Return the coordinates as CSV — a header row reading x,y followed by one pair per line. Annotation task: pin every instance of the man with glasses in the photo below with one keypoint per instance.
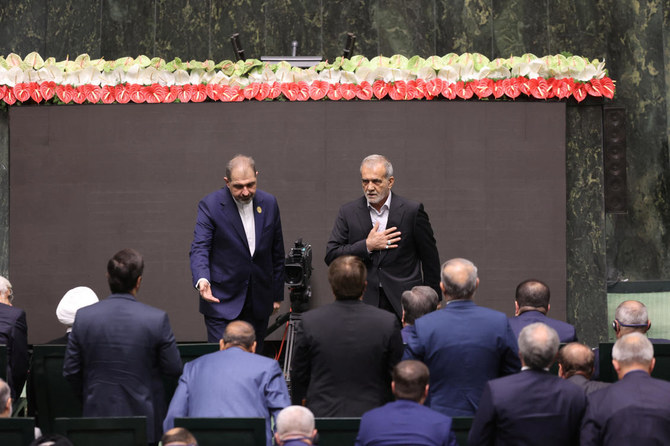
x,y
13,334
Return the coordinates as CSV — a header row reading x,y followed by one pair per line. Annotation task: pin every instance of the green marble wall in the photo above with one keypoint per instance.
x,y
633,36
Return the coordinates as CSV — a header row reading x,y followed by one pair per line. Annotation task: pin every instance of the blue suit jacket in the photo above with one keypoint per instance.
x,y
529,408
566,332
220,254
634,410
464,346
405,422
229,383
116,355
14,334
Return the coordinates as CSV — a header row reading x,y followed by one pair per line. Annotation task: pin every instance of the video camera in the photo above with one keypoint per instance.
x,y
298,269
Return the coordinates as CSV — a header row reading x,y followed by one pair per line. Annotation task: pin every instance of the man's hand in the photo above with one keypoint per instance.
x,y
275,306
386,239
206,292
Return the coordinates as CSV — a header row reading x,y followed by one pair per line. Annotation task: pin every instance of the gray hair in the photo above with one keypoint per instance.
x,y
538,345
379,159
633,348
632,312
295,421
459,278
240,160
4,394
418,301
4,285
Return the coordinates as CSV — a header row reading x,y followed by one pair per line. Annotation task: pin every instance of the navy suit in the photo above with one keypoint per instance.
x,y
414,262
116,354
405,422
566,332
632,411
231,383
528,408
220,254
14,334
464,346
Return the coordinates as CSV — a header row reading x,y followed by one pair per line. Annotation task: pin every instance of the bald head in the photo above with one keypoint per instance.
x,y
294,422
576,359
178,436
239,334
459,279
538,345
631,316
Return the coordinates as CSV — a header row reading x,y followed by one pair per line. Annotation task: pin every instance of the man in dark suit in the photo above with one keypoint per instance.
x,y
295,427
463,345
532,305
391,234
233,382
237,254
634,410
416,302
345,350
406,421
14,334
119,349
576,364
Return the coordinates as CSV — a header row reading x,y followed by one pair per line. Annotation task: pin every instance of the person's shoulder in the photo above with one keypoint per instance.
x,y
408,202
354,204
261,194
11,311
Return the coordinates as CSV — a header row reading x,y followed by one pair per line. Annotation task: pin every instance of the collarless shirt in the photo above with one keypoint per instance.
x,y
381,216
246,211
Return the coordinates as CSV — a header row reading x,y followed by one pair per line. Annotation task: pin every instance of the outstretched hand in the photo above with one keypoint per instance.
x,y
379,240
206,292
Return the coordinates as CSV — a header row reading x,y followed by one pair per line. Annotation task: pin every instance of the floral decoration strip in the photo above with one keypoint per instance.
x,y
155,81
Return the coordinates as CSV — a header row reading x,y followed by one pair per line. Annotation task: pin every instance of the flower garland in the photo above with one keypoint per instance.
x,y
452,76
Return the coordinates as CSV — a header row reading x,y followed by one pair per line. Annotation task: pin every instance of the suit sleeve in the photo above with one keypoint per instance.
x,y
168,354
72,362
18,354
202,243
276,392
340,244
179,404
591,430
483,430
396,346
414,349
427,250
278,255
510,362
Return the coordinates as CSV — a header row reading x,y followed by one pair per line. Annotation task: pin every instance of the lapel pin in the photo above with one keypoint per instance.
x,y
258,209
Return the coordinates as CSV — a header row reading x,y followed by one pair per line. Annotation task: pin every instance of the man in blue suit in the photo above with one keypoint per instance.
x,y
119,349
532,305
13,334
233,382
463,345
534,406
406,420
634,410
237,254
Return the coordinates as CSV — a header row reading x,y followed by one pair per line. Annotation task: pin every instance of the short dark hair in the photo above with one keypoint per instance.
x,y
418,301
410,378
178,435
576,358
124,269
533,293
239,333
347,275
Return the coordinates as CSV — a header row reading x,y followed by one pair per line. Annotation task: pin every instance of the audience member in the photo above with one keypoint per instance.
x,y
345,350
634,410
463,345
72,301
5,400
406,421
532,305
178,436
233,382
534,406
51,440
415,303
576,364
14,334
119,349
295,426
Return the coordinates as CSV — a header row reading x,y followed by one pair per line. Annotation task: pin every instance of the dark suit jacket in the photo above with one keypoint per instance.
x,y
343,358
528,408
405,422
633,411
566,332
220,254
116,353
464,346
231,383
588,385
397,269
14,334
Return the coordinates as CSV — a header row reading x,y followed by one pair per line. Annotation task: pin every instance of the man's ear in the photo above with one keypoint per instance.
x,y
221,344
277,440
253,347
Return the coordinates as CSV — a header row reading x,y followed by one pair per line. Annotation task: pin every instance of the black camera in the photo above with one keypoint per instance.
x,y
298,269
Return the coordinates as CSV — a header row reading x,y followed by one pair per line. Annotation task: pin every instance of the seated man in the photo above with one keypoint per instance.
x,y
14,334
5,400
576,364
534,406
72,301
178,436
406,421
532,305
634,410
295,426
415,303
233,382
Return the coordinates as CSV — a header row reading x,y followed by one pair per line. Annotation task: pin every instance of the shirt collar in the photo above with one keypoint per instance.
x,y
386,204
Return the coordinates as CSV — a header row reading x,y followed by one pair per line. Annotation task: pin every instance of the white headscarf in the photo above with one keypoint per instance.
x,y
73,300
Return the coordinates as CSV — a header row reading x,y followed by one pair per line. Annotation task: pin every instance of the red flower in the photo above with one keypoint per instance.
x,y
464,90
449,90
107,94
334,92
318,90
413,90
511,87
122,94
539,88
185,93
263,92
173,94
251,90
155,93
380,88
9,98
136,93
434,86
482,88
524,85
214,91
3,91
594,88
79,95
93,93
303,91
238,95
398,90
22,92
498,89
579,92
199,93
290,90
275,90
364,91
607,87
48,90
348,91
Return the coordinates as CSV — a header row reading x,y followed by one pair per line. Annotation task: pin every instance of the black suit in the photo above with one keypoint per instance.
x,y
396,269
343,358
14,334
